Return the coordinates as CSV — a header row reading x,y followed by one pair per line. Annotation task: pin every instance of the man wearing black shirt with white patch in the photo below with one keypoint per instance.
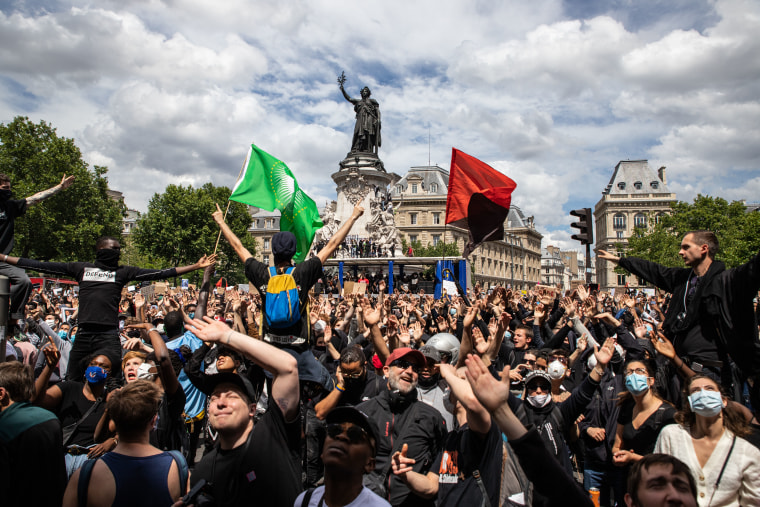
x,y
100,285
10,209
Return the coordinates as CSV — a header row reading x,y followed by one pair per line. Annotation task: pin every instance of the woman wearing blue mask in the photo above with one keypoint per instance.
x,y
643,413
708,439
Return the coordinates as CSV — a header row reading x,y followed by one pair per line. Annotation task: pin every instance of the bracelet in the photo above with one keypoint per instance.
x,y
115,440
6,258
227,338
340,388
153,329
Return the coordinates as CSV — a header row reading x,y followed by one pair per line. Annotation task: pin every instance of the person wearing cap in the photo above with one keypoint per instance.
x,y
432,388
248,467
348,454
405,422
554,420
294,339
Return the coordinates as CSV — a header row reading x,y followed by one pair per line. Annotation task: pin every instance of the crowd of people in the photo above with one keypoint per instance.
x,y
491,397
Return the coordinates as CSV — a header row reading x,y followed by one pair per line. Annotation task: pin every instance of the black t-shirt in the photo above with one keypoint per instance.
x,y
9,211
170,410
305,274
99,289
73,406
642,440
265,471
463,452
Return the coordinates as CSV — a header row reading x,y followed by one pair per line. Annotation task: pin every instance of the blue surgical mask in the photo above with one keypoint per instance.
x,y
453,311
636,384
62,334
191,315
706,403
95,374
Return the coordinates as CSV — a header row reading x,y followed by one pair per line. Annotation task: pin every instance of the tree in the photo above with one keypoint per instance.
x,y
178,229
63,227
738,232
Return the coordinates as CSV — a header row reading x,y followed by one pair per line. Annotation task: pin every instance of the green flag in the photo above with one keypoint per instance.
x,y
267,183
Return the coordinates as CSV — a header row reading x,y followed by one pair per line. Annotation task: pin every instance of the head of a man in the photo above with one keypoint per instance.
x,y
174,324
283,247
351,442
107,243
402,369
5,182
232,405
522,337
696,246
227,360
658,480
353,366
16,383
134,409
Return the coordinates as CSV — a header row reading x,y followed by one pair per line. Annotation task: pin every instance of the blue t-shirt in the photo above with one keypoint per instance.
x,y
195,402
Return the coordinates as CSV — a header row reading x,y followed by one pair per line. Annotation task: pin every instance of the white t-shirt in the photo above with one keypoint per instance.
x,y
366,498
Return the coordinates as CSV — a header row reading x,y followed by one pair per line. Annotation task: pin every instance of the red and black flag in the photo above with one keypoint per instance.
x,y
478,200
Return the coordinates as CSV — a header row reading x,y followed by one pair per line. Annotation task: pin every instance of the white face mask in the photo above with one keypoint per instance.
x,y
160,328
556,370
50,323
539,400
144,372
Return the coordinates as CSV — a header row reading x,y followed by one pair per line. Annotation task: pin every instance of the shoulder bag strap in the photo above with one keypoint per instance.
x,y
85,416
307,497
182,467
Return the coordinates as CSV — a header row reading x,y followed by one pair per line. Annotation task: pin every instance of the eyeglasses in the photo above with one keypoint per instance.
x,y
561,359
404,364
530,361
638,371
356,434
353,375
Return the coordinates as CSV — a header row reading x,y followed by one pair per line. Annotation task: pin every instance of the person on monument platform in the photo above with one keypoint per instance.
x,y
367,129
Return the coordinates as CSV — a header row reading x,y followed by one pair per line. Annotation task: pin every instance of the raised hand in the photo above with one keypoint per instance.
x,y
400,463
491,393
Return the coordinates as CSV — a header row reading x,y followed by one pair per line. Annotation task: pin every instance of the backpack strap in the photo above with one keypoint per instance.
x,y
182,466
307,497
272,271
289,271
85,472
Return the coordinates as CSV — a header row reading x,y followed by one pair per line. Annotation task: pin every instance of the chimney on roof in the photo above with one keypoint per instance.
x,y
661,175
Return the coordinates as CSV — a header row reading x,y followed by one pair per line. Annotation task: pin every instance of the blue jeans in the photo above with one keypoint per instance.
x,y
598,476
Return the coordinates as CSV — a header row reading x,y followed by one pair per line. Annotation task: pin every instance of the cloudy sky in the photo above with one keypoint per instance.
x,y
551,93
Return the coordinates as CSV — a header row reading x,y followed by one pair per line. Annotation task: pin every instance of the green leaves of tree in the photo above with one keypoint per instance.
x,y
63,227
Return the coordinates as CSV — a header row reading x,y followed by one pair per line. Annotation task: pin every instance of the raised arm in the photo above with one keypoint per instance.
x,y
40,196
203,262
339,236
233,240
279,363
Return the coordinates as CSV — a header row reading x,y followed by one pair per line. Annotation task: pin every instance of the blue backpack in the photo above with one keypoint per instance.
x,y
282,305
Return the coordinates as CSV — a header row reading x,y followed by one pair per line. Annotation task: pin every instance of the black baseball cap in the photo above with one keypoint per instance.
x,y
284,245
233,378
355,416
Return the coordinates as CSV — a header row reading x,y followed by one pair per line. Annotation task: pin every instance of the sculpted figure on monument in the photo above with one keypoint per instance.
x,y
367,137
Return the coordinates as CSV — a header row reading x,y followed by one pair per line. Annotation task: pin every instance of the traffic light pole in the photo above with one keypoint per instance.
x,y
588,264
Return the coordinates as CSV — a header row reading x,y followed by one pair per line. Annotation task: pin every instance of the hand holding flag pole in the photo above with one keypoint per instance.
x,y
228,204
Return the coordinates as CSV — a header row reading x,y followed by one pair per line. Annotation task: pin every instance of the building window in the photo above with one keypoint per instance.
x,y
414,188
434,187
640,220
399,189
413,218
655,185
266,243
637,185
266,260
437,239
621,185
619,234
621,279
412,238
267,224
657,218
618,221
436,219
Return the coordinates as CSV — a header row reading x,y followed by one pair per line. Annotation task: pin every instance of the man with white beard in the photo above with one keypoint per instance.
x,y
406,425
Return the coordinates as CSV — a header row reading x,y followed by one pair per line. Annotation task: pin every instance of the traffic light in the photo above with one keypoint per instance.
x,y
586,231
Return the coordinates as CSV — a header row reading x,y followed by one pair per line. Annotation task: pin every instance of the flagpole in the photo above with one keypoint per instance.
x,y
228,204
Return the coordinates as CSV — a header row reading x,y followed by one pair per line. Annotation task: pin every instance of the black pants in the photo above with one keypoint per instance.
x,y
87,342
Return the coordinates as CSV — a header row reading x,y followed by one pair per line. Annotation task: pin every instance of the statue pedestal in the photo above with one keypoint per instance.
x,y
362,179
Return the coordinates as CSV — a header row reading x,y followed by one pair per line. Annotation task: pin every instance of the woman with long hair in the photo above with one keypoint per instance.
x,y
708,439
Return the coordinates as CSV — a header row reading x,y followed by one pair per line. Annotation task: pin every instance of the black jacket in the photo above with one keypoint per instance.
x,y
403,420
722,306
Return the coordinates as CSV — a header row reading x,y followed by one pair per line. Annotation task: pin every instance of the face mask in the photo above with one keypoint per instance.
x,y
50,323
108,258
591,362
95,374
636,384
6,194
144,373
62,333
191,315
160,328
539,400
556,370
453,311
507,335
427,382
73,337
706,403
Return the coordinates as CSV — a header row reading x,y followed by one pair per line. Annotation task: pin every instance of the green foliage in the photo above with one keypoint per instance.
x,y
738,232
440,250
178,229
65,226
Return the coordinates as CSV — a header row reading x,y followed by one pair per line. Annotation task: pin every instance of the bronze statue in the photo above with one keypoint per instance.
x,y
367,129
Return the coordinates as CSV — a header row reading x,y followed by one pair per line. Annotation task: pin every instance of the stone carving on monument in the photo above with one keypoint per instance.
x,y
362,179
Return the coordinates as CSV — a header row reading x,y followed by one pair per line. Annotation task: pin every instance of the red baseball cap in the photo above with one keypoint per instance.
x,y
412,355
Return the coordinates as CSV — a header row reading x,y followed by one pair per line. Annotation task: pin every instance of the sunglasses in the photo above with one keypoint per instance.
x,y
353,375
404,364
356,434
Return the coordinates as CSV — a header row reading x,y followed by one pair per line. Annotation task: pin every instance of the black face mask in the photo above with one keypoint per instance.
x,y
428,382
6,194
106,258
353,383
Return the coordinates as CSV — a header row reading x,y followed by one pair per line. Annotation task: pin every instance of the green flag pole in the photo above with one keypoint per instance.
x,y
228,204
